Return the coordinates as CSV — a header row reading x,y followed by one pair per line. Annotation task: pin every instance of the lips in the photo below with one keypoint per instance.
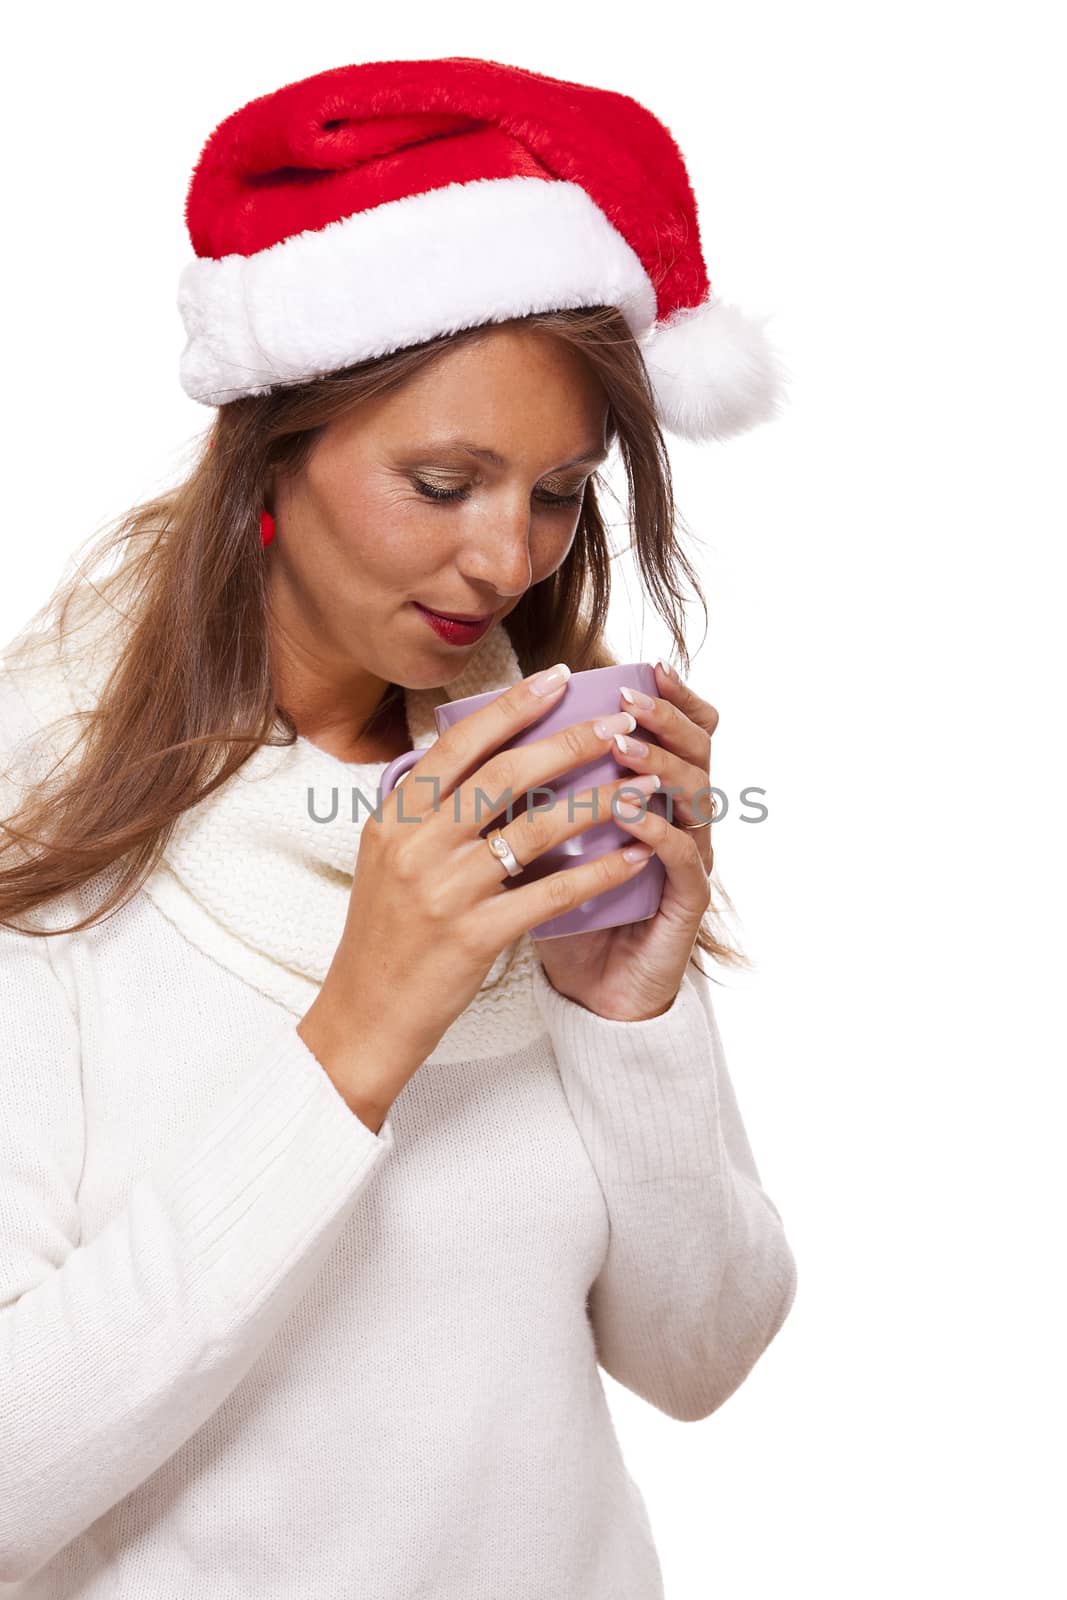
x,y
452,630
455,616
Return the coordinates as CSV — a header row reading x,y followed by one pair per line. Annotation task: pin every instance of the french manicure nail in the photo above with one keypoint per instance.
x,y
634,697
551,679
618,722
631,747
637,852
647,783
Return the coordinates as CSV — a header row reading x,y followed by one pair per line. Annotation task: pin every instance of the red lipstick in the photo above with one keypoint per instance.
x,y
454,630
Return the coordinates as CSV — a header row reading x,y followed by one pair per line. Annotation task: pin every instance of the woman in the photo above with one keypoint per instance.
x,y
323,1189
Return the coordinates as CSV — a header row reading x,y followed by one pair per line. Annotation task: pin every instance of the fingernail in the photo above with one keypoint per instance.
x,y
545,682
634,697
637,852
618,722
666,668
631,747
631,805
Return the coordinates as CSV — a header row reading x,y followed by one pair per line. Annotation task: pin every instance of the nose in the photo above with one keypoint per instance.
x,y
498,558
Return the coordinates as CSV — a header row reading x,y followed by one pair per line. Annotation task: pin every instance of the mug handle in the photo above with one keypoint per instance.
x,y
397,769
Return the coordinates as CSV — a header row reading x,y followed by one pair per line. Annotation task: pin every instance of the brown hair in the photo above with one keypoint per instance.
x,y
190,696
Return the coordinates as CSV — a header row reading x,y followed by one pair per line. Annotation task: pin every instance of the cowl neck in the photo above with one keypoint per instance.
x,y
258,874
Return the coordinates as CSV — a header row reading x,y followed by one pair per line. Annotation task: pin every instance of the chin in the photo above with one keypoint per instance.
x,y
429,670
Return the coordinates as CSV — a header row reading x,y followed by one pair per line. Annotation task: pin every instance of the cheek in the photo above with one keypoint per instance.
x,y
552,545
391,536
390,539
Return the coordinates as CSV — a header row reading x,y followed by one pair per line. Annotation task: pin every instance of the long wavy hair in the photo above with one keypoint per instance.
x,y
190,696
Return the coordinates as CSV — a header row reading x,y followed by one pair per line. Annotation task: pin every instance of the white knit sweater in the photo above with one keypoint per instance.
x,y
250,1349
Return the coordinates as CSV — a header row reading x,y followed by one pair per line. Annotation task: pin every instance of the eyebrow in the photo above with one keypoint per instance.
x,y
595,453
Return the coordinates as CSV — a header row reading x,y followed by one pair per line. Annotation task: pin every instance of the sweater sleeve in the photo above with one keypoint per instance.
x,y
114,1351
699,1275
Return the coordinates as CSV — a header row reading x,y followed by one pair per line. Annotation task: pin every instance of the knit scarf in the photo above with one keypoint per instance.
x,y
258,874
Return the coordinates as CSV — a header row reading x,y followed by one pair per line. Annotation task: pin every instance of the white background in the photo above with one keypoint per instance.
x,y
884,574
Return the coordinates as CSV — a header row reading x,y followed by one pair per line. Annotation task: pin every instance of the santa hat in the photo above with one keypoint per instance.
x,y
375,206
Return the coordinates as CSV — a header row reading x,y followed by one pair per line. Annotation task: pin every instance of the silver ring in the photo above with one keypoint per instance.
x,y
503,852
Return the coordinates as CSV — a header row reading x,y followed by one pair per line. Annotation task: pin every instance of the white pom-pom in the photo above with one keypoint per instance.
x,y
713,371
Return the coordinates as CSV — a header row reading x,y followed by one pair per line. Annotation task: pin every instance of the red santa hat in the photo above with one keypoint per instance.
x,y
374,206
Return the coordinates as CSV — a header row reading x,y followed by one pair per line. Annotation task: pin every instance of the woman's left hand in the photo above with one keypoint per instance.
x,y
634,972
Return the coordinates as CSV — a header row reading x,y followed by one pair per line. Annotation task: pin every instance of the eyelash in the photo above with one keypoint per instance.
x,y
432,493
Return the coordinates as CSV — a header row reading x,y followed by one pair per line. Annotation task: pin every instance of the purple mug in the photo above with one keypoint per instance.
x,y
587,695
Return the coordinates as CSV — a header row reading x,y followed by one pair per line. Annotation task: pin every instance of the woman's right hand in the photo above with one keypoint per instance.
x,y
428,913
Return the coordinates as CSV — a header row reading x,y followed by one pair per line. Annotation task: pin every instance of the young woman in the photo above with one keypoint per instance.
x,y
324,1188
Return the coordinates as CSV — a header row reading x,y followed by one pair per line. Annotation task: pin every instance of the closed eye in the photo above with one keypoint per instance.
x,y
433,493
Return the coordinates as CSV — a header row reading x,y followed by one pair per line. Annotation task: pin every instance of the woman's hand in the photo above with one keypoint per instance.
x,y
634,972
429,910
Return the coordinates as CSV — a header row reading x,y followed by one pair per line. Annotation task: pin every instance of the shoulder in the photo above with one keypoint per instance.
x,y
28,754
35,707
18,720
19,731
21,743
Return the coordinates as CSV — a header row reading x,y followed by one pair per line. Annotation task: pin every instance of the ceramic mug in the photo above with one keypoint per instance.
x,y
587,695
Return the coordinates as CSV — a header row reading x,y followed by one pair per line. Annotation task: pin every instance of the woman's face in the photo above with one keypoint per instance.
x,y
366,529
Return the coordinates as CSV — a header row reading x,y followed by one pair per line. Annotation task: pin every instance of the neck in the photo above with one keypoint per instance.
x,y
346,711
380,737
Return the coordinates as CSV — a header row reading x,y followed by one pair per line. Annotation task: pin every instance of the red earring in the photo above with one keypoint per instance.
x,y
266,527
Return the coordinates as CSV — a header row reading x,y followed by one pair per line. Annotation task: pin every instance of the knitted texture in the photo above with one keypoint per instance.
x,y
258,878
251,1348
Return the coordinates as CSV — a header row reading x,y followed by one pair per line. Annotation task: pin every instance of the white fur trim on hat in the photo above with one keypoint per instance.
x,y
398,274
